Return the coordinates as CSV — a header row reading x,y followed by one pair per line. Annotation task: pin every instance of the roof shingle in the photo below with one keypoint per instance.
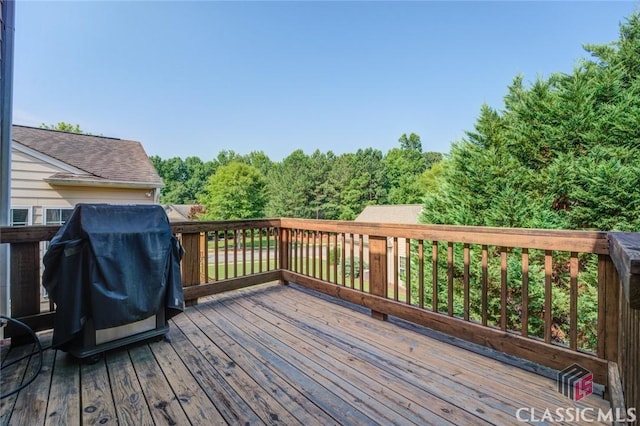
x,y
100,157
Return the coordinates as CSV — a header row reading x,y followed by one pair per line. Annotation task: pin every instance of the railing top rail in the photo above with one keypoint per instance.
x,y
223,225
544,239
27,234
35,233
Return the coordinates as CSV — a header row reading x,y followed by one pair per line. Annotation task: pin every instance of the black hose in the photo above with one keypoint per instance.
x,y
39,352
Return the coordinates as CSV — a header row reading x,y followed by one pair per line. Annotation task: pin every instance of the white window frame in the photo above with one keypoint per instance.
x,y
29,210
402,266
46,209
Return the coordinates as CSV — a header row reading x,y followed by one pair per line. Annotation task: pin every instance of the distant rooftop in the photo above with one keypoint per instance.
x,y
394,213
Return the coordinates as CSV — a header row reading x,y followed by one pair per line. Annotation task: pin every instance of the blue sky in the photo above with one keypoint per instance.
x,y
195,78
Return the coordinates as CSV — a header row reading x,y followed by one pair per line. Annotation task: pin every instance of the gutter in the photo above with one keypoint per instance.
x,y
103,183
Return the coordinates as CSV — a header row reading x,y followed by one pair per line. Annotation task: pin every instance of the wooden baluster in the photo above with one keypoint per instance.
x,y
421,273
485,283
335,258
548,270
503,289
235,253
407,265
283,248
343,257
352,266
306,237
244,251
465,280
524,316
395,269
314,258
434,276
361,281
450,279
573,301
253,241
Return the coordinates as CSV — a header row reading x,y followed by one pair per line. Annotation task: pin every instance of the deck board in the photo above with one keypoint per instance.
x,y
64,399
437,358
129,401
278,355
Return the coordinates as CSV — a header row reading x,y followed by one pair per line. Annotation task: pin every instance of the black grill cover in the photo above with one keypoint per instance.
x,y
114,264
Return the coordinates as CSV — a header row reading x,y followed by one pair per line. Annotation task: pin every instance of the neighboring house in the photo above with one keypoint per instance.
x,y
395,213
52,171
398,213
179,212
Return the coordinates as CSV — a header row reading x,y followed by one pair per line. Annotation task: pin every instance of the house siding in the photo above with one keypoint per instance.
x,y
28,188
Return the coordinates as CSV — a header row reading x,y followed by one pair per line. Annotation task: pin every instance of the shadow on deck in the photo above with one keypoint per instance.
x,y
281,355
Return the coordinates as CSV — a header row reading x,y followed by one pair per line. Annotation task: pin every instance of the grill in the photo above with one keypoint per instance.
x,y
113,272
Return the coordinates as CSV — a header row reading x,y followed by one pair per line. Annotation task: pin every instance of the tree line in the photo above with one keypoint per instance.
x,y
322,185
563,153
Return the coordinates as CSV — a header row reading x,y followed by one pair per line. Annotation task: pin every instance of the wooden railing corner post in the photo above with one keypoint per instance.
x,y
190,265
378,271
624,278
24,285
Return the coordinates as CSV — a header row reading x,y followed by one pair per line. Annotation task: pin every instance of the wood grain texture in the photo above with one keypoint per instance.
x,y
131,407
25,278
64,399
285,355
553,356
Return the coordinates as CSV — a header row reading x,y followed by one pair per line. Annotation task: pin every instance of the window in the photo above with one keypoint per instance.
x,y
20,216
402,267
56,216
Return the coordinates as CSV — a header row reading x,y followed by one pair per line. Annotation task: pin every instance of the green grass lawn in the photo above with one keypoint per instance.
x,y
319,264
231,244
240,269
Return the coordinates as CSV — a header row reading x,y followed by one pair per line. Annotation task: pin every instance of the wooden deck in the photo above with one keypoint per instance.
x,y
279,355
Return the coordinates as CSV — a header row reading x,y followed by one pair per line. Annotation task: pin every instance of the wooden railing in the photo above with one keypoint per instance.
x,y
625,252
462,281
218,257
224,256
551,297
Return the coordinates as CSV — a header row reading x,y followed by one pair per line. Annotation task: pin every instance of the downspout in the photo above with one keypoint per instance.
x,y
6,118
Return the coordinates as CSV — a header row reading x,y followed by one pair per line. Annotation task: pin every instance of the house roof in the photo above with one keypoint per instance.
x,y
178,211
394,213
96,159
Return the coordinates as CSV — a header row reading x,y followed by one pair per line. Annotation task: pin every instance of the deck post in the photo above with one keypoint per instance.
x,y
284,251
191,262
25,284
25,279
624,249
378,271
204,257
